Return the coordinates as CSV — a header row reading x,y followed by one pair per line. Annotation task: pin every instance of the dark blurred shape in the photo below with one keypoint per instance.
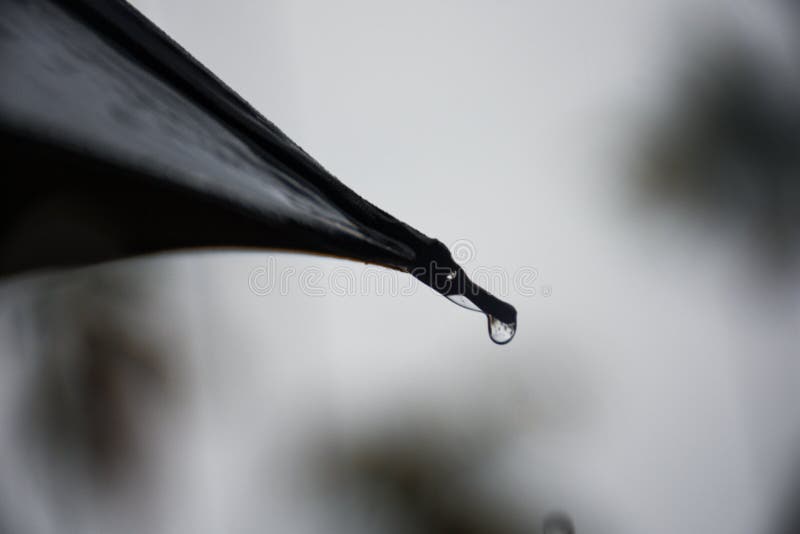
x,y
788,521
420,479
729,148
729,145
96,374
558,523
122,144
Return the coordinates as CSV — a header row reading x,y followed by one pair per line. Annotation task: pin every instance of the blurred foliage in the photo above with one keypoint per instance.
x,y
420,478
728,146
96,372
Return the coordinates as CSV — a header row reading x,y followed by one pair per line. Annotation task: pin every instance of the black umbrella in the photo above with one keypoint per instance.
x,y
116,142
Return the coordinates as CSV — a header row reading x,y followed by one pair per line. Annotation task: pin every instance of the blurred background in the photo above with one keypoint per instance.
x,y
642,157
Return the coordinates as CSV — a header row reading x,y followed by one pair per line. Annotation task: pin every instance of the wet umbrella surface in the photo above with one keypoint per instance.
x,y
122,144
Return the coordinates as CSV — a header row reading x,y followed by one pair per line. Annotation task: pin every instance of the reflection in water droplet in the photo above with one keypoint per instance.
x,y
500,332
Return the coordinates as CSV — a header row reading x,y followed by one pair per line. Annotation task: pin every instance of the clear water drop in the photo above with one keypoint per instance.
x,y
500,332
460,290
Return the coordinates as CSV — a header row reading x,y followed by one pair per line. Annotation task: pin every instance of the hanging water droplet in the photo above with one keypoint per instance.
x,y
500,332
459,289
